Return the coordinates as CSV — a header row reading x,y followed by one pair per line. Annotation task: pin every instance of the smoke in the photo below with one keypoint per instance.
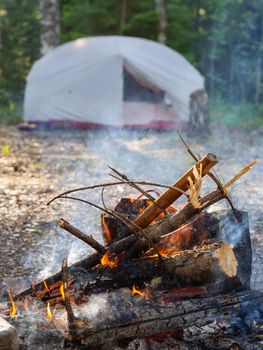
x,y
142,155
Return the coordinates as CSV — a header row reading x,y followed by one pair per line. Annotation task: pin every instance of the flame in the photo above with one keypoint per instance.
x,y
105,228
105,261
49,313
146,293
62,291
46,286
13,311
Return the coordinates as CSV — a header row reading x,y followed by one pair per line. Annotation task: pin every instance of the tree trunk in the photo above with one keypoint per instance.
x,y
199,111
160,8
124,13
50,25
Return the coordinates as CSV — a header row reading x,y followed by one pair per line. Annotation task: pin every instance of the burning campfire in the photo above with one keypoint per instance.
x,y
161,268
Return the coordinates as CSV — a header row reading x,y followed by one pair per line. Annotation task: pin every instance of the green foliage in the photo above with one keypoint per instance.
x,y
236,115
19,44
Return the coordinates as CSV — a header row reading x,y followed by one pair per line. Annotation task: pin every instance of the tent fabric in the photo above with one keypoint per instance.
x,y
83,81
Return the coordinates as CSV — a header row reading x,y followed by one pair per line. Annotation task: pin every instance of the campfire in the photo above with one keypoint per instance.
x,y
162,268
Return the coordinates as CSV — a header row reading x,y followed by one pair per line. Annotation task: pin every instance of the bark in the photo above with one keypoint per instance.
x,y
124,13
199,111
49,24
162,30
124,316
213,264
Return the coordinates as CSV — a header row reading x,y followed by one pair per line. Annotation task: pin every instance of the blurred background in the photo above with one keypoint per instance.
x,y
222,39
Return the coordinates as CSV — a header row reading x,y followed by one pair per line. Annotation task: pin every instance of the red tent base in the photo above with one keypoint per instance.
x,y
69,124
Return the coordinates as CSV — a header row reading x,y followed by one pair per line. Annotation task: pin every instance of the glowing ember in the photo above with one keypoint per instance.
x,y
62,291
46,286
105,261
49,313
12,312
105,228
143,293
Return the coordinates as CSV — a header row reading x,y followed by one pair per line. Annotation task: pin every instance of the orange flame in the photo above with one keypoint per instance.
x,y
105,228
46,286
49,313
13,311
62,291
146,293
105,261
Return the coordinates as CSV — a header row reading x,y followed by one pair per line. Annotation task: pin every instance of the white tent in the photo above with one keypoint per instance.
x,y
111,80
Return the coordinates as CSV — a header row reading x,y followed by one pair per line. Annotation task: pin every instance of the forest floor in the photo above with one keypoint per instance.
x,y
35,166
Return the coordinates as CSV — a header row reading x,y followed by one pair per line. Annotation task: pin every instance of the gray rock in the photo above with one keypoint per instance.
x,y
8,336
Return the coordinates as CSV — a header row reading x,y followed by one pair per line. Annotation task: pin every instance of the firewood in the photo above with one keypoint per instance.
x,y
123,316
213,263
169,196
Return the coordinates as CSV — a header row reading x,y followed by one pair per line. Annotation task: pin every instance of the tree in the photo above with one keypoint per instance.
x,y
160,9
50,24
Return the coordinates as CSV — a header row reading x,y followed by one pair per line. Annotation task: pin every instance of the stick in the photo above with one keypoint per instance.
x,y
168,197
109,184
125,179
71,317
211,175
85,238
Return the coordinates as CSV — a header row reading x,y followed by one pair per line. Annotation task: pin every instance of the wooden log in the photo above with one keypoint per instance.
x,y
122,316
169,196
214,263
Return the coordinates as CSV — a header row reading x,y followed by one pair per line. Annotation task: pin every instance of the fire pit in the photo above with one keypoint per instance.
x,y
162,270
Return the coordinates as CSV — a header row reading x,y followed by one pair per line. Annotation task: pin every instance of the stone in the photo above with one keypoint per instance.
x,y
8,336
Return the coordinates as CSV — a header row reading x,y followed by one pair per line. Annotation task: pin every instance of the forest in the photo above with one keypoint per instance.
x,y
222,39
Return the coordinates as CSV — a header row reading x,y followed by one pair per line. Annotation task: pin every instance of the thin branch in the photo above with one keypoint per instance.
x,y
114,184
212,176
79,234
108,211
151,198
66,300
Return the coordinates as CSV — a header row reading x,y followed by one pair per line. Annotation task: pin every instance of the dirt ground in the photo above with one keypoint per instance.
x,y
35,166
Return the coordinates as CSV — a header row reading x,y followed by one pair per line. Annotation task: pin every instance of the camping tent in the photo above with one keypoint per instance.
x,y
111,80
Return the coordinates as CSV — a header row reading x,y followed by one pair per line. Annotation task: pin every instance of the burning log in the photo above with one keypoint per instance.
x,y
209,264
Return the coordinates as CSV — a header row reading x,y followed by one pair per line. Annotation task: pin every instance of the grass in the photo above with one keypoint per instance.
x,y
11,114
247,116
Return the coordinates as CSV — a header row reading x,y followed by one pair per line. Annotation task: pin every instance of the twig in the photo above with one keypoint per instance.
x,y
71,317
212,176
145,193
139,189
114,184
239,174
79,234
